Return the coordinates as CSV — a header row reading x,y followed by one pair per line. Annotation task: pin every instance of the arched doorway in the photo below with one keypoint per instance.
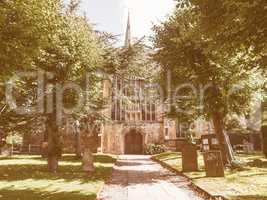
x,y
133,143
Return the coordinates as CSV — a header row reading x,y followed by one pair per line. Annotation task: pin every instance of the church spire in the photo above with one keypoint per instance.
x,y
128,33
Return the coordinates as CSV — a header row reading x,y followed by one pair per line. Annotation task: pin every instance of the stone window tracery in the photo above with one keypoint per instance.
x,y
130,101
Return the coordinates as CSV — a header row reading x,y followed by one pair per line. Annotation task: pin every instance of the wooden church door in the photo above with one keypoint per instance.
x,y
133,143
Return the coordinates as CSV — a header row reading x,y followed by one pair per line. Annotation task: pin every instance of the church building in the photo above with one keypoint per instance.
x,y
134,119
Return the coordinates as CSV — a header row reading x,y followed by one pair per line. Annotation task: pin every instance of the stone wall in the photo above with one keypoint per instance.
x,y
69,143
113,135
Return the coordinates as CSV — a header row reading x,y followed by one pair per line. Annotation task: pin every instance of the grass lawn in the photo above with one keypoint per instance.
x,y
248,184
27,178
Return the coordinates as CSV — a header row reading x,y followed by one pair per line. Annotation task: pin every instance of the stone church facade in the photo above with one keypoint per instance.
x,y
134,120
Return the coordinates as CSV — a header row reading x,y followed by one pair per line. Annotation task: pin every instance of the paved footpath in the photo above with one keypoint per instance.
x,y
140,178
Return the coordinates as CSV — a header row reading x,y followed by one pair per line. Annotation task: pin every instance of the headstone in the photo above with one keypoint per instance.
x,y
248,148
179,144
44,149
213,164
6,150
87,161
189,158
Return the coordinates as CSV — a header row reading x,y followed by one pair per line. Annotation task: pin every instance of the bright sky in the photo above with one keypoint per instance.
x,y
111,15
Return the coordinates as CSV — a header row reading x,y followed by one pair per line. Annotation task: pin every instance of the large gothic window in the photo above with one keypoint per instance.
x,y
129,101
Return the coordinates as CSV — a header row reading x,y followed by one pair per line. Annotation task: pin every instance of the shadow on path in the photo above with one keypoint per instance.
x,y
138,177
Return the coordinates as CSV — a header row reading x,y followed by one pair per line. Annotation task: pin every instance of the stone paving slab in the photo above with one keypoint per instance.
x,y
140,178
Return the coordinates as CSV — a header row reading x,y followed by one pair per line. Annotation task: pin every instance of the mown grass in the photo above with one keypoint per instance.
x,y
27,178
247,184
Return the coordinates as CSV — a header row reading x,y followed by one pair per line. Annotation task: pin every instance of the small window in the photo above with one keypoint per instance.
x,y
143,113
118,116
148,113
153,112
205,141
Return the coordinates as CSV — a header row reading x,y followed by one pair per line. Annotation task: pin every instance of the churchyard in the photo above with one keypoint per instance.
x,y
26,177
133,100
246,183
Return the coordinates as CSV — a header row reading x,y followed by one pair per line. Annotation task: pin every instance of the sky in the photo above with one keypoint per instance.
x,y
111,15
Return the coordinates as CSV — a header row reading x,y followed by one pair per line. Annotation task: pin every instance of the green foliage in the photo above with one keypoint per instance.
x,y
233,125
25,26
44,35
65,43
152,149
237,26
132,61
192,57
193,49
14,139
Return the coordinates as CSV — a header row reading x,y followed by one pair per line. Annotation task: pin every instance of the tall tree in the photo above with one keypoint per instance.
x,y
24,31
72,55
65,48
238,26
194,59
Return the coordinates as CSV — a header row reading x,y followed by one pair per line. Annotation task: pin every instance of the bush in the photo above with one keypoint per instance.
x,y
14,139
152,149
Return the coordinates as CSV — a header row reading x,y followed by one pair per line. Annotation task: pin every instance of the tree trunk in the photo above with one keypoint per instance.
x,y
88,161
54,144
52,162
78,145
45,145
226,148
87,157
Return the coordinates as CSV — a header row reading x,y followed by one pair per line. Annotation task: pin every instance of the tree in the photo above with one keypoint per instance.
x,y
264,129
73,53
238,26
193,58
24,30
66,51
235,24
134,60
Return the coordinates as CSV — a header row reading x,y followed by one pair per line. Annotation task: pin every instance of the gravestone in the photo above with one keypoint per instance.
x,y
189,158
87,161
213,164
180,142
6,150
44,149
